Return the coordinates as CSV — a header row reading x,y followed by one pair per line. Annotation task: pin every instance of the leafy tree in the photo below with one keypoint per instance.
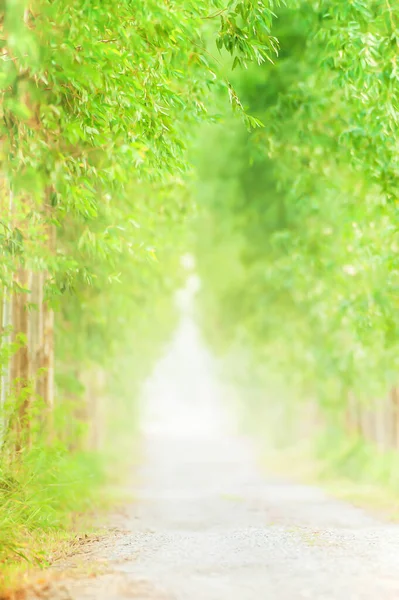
x,y
309,213
99,101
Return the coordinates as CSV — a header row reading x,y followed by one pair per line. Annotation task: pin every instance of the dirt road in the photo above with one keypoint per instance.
x,y
209,525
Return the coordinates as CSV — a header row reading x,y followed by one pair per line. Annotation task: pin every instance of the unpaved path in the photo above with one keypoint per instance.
x,y
208,525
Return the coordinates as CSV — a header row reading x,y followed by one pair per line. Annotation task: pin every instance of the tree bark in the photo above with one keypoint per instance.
x,y
47,334
20,361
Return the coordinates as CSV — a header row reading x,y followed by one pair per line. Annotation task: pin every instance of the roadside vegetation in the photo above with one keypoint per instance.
x,y
289,114
298,243
98,103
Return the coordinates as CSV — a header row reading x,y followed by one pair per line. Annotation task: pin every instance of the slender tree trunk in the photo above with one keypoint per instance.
x,y
380,407
95,411
39,331
6,324
48,356
33,341
354,415
47,362
20,361
395,417
45,338
367,422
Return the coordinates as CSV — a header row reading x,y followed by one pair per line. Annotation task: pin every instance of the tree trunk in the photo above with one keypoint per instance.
x,y
6,322
47,333
352,416
20,361
7,203
395,417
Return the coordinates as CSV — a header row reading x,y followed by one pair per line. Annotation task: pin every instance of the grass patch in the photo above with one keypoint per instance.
x,y
347,467
47,497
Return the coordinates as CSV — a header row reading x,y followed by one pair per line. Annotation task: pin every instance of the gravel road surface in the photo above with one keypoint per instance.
x,y
208,524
